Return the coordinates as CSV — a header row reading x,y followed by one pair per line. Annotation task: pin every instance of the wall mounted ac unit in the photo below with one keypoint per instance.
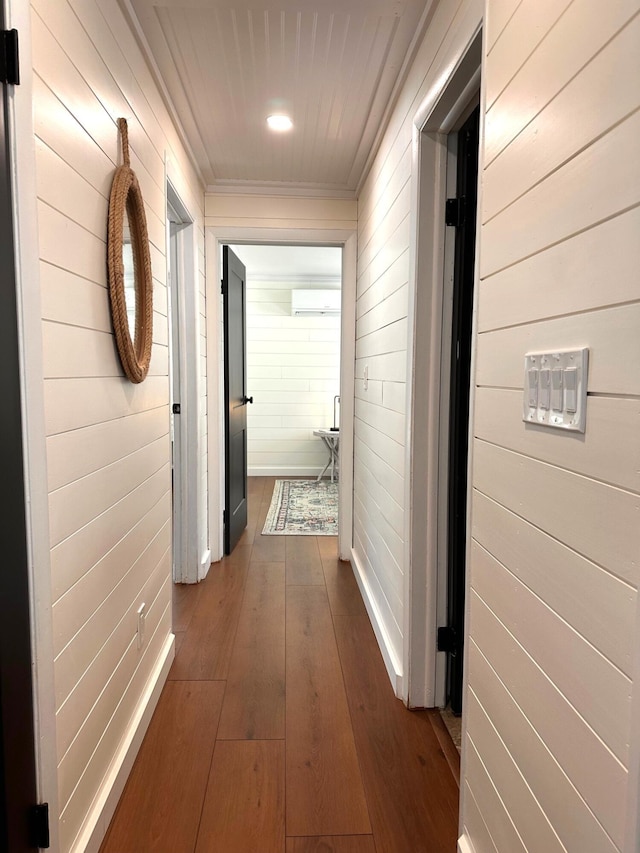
x,y
305,303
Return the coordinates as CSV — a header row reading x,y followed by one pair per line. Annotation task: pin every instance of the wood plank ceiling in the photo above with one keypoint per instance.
x,y
333,66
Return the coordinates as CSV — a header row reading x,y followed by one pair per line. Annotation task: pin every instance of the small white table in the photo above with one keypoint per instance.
x,y
330,439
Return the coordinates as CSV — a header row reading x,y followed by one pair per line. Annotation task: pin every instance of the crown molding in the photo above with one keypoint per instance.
x,y
279,189
147,53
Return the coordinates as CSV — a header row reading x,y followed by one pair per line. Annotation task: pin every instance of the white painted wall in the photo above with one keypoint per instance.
x,y
107,440
293,374
554,554
380,476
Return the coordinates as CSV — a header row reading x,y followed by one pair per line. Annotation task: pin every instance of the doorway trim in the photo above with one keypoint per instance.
x,y
187,565
346,239
20,132
425,501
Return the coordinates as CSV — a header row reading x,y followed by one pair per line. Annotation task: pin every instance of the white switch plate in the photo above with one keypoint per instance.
x,y
555,389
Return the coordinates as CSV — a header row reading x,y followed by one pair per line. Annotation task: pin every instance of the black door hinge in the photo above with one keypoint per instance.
x,y
454,211
224,516
222,287
9,58
447,640
175,408
39,826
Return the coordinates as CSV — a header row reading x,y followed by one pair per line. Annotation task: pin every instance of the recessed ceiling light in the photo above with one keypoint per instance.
x,y
279,122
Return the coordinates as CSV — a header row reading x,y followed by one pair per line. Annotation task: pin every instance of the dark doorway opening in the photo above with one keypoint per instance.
x,y
461,214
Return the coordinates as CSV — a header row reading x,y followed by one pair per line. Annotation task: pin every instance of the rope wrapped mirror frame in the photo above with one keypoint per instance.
x,y
125,202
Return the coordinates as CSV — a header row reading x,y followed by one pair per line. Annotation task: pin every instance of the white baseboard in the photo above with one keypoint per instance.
x,y
394,669
464,845
282,471
205,563
105,804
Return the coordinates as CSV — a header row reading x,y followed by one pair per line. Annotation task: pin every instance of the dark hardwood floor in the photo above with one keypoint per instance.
x,y
278,730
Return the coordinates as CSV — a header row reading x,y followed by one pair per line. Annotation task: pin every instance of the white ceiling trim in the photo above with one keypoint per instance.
x,y
201,163
276,189
420,32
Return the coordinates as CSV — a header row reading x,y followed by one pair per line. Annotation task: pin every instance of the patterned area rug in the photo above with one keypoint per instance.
x,y
303,508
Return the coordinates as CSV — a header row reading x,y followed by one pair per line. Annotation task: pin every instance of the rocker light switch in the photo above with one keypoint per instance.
x,y
532,375
555,389
571,389
545,379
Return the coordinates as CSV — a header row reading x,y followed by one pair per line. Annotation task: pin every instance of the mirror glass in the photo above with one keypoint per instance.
x,y
129,275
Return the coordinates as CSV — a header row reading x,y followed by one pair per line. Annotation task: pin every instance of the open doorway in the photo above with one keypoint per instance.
x,y
460,220
293,342
440,345
183,381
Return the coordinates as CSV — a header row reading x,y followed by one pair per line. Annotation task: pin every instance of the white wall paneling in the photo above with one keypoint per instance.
x,y
570,815
529,619
503,832
604,612
92,834
534,829
574,512
590,270
553,662
109,458
392,431
551,63
593,769
474,825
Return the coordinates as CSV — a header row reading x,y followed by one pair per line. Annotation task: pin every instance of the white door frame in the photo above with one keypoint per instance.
x,y
425,503
184,291
21,140
345,238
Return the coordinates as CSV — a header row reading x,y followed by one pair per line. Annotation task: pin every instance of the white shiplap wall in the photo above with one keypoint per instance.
x,y
293,373
381,337
107,440
554,559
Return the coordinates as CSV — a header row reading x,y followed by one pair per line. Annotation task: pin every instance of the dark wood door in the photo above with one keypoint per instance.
x,y
235,398
466,191
17,745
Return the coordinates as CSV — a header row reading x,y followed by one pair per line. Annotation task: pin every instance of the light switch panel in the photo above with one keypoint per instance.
x,y
555,389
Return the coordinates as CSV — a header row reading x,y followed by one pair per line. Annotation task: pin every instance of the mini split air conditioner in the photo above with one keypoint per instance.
x,y
305,303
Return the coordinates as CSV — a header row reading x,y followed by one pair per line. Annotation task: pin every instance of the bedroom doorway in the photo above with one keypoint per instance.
x,y
293,331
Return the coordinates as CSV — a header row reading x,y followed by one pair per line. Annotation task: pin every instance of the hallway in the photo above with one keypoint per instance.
x,y
278,729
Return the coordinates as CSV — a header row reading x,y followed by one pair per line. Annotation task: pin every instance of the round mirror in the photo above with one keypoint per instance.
x,y
129,269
